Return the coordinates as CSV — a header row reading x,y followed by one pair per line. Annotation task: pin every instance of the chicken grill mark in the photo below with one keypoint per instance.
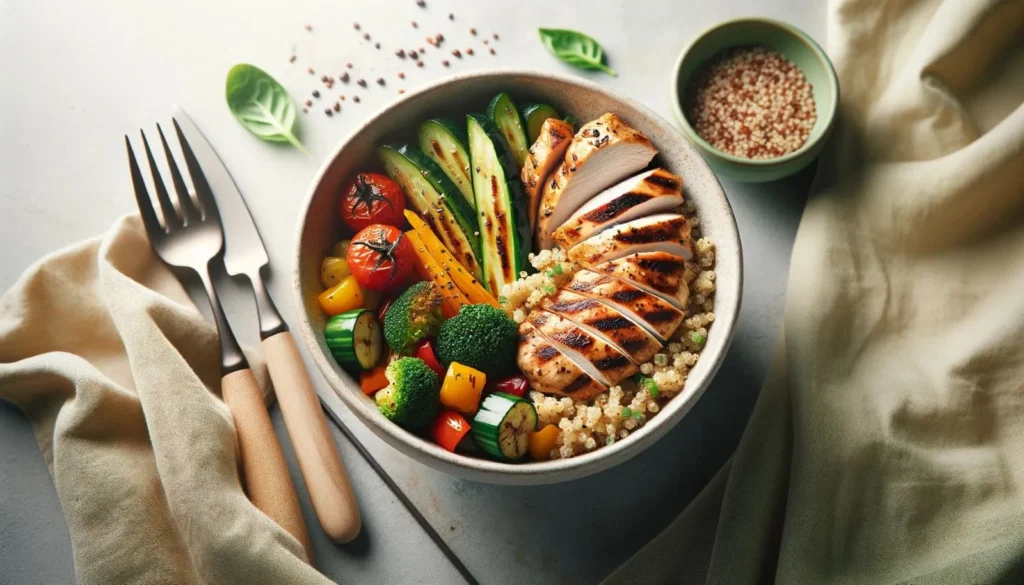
x,y
662,181
615,208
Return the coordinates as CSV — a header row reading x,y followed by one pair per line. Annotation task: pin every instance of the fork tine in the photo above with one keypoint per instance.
x,y
149,219
171,219
203,191
188,208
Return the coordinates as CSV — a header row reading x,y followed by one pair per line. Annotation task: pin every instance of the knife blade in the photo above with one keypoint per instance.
x,y
244,252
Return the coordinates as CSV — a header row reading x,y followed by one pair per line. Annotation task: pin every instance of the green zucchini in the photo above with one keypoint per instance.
x,y
505,116
500,205
503,425
534,116
433,195
355,339
573,121
445,144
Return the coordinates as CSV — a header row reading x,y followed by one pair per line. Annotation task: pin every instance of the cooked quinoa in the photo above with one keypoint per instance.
x,y
613,415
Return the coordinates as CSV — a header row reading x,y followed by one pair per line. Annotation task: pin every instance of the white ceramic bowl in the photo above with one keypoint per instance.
x,y
319,228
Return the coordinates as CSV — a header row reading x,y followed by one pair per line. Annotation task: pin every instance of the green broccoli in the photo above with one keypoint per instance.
x,y
414,315
481,337
411,397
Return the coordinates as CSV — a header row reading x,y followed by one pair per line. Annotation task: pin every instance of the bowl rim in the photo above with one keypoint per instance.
x,y
796,33
486,470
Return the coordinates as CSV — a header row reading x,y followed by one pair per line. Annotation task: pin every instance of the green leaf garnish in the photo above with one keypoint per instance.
x,y
626,412
575,48
697,338
651,386
502,300
262,105
548,289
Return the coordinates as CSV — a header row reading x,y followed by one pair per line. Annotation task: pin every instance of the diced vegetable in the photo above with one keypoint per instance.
x,y
470,286
445,143
370,198
411,396
437,200
431,271
534,116
542,442
448,429
342,297
462,387
516,385
380,258
414,315
425,351
354,339
481,337
503,425
333,270
370,381
501,207
505,116
697,338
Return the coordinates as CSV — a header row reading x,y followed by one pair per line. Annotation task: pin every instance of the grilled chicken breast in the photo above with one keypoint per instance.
x,y
604,321
545,154
598,358
664,232
659,273
648,193
549,370
603,152
657,316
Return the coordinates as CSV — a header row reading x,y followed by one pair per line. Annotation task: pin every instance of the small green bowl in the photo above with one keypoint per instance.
x,y
799,48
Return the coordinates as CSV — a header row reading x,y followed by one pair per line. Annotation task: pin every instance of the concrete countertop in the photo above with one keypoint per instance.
x,y
79,77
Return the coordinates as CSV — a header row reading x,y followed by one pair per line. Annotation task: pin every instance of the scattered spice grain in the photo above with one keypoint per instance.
x,y
380,81
457,53
445,62
469,51
400,53
355,25
414,25
337,107
401,75
451,16
472,31
421,3
419,63
362,83
328,112
309,27
310,70
292,59
316,93
344,77
355,98
492,51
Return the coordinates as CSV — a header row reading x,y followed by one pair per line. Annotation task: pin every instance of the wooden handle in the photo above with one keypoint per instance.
x,y
329,488
266,475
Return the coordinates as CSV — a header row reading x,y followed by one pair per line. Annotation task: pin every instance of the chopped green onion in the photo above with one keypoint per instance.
x,y
557,269
548,289
697,338
660,359
652,387
638,416
609,439
502,300
626,412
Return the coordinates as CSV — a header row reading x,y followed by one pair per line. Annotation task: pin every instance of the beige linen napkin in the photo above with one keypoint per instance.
x,y
102,349
887,445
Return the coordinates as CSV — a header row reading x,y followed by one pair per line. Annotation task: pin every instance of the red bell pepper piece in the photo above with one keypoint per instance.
x,y
425,351
515,385
448,429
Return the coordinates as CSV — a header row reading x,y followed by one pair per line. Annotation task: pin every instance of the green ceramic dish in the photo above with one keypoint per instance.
x,y
799,48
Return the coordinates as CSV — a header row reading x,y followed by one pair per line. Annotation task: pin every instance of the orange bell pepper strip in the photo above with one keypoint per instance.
x,y
462,278
430,270
372,380
542,442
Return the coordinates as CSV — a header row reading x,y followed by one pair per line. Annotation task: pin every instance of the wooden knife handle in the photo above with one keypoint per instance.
x,y
329,488
263,467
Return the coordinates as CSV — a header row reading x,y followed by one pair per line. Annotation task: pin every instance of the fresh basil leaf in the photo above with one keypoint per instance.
x,y
575,48
262,105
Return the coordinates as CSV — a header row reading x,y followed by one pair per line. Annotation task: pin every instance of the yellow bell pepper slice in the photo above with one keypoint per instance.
x,y
342,297
462,388
333,270
469,285
542,442
430,270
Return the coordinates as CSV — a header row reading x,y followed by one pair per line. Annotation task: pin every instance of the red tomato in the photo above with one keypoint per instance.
x,y
515,385
380,258
448,429
425,351
370,198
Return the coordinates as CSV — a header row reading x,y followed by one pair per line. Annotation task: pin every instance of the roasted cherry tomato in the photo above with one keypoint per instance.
x,y
448,429
381,258
370,198
425,351
515,385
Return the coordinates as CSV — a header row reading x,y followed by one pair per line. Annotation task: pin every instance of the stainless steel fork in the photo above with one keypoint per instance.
x,y
192,240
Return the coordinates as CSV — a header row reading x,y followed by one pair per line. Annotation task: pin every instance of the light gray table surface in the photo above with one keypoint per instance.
x,y
80,75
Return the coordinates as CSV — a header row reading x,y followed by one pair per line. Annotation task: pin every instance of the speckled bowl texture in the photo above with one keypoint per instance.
x,y
798,47
319,228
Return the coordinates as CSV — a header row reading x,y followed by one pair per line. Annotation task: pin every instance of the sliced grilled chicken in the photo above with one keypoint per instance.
x,y
550,371
604,321
657,316
659,273
602,153
598,358
648,193
664,232
545,154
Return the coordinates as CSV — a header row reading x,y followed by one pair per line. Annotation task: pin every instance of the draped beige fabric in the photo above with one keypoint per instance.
x,y
102,349
887,445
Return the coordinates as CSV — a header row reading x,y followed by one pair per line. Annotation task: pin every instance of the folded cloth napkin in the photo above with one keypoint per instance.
x,y
101,347
887,445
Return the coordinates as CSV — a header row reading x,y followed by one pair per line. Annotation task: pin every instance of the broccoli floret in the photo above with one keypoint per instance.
x,y
414,315
411,397
481,337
